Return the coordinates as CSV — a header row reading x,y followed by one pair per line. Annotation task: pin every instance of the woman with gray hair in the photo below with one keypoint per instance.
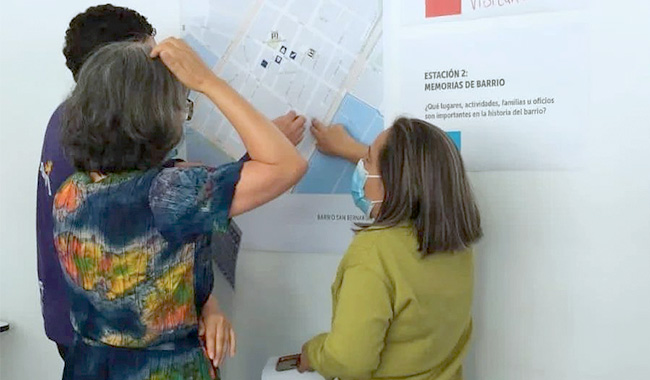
x,y
132,236
403,291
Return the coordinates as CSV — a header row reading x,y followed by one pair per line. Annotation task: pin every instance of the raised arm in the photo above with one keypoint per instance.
x,y
275,164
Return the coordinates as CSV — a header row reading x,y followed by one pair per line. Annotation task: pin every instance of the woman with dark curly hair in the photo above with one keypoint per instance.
x,y
101,25
131,235
87,31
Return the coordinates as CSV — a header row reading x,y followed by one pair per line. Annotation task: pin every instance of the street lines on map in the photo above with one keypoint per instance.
x,y
241,33
314,88
212,136
357,68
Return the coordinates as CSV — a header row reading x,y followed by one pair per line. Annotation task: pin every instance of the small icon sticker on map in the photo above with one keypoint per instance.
x,y
278,59
311,53
283,50
293,55
265,63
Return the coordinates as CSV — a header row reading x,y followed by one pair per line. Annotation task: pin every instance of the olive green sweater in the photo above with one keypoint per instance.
x,y
397,314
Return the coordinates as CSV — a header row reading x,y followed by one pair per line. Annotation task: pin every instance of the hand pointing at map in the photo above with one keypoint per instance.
x,y
335,140
291,125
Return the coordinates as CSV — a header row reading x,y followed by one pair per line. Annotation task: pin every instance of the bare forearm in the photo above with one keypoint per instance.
x,y
354,152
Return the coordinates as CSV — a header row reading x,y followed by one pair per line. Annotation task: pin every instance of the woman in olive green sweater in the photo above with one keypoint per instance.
x,y
403,292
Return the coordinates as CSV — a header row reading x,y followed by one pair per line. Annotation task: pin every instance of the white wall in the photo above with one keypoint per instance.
x,y
562,284
33,81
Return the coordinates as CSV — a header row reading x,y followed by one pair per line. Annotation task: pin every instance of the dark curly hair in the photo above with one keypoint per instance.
x,y
125,113
98,26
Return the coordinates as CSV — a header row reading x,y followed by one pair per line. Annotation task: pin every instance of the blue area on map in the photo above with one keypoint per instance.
x,y
332,175
455,136
326,175
208,57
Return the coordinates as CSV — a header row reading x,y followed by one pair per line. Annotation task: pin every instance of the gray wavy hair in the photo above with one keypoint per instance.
x,y
125,113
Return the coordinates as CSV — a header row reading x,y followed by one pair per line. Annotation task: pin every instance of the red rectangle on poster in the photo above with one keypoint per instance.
x,y
436,8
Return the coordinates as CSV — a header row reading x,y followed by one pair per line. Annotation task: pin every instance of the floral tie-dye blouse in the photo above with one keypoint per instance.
x,y
134,249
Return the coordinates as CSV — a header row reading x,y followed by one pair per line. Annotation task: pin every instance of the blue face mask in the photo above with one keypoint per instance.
x,y
359,179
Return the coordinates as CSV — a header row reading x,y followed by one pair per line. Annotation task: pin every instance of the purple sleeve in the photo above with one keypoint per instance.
x,y
53,170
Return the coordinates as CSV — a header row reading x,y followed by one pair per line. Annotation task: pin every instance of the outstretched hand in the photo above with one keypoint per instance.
x,y
336,141
291,125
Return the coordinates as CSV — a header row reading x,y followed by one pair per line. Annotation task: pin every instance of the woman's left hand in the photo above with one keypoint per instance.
x,y
304,365
218,333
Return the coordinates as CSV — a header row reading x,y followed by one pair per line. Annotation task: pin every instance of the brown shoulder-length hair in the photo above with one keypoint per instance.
x,y
425,183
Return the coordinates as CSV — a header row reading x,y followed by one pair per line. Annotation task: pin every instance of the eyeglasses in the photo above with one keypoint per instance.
x,y
189,110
